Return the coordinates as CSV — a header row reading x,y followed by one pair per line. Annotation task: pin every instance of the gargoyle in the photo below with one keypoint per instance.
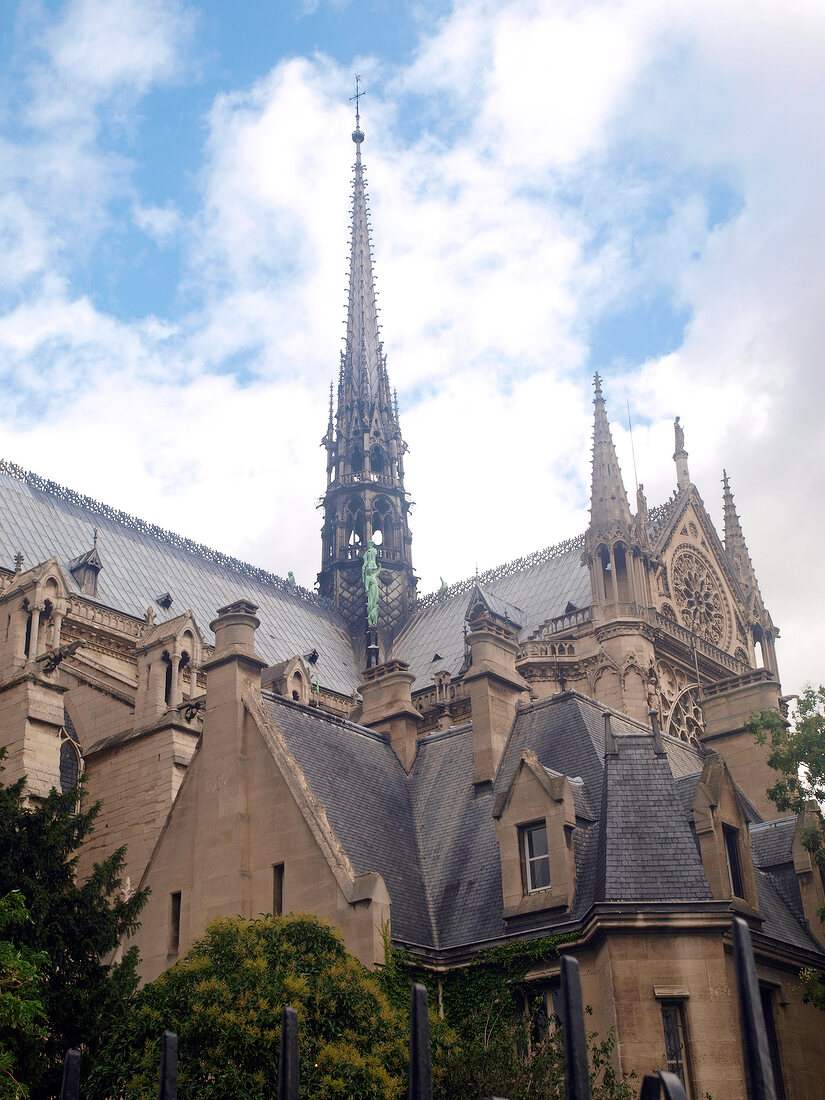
x,y
51,659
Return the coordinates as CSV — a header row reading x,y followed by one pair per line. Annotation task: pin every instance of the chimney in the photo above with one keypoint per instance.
x,y
387,707
495,687
232,669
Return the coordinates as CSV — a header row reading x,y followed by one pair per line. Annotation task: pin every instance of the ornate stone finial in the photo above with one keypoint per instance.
x,y
357,133
369,575
680,456
597,384
18,562
679,434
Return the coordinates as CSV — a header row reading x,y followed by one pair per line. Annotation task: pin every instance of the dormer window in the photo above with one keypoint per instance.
x,y
85,570
737,883
535,857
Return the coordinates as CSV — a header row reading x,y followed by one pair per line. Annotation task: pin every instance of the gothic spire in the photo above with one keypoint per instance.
x,y
608,499
365,502
735,545
364,371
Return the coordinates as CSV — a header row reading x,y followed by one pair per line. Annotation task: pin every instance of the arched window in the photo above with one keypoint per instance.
x,y
167,691
383,520
354,521
622,578
297,684
70,763
378,460
357,459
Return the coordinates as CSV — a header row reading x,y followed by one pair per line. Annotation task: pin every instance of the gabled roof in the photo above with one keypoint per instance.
x,y
44,519
169,628
495,605
534,589
431,835
359,779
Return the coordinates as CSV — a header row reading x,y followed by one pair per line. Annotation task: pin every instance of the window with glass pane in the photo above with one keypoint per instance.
x,y
673,1020
535,857
737,887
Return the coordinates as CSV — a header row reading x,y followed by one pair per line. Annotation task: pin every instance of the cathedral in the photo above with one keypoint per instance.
x,y
554,746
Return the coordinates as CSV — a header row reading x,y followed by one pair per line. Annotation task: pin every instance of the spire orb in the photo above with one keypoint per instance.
x,y
358,135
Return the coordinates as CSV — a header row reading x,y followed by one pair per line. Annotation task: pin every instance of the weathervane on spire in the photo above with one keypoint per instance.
x,y
357,98
358,133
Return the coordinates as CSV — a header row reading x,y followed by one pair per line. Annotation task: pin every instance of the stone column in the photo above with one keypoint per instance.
x,y
174,693
35,630
57,624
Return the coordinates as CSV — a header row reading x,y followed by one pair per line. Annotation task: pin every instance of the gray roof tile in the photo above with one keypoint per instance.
x,y
538,591
140,562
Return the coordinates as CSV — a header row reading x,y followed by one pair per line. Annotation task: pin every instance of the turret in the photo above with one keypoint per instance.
x,y
618,555
365,497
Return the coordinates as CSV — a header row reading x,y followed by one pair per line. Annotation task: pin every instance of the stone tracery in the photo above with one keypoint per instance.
x,y
681,714
698,597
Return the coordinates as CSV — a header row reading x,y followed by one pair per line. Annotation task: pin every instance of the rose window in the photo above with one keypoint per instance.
x,y
698,597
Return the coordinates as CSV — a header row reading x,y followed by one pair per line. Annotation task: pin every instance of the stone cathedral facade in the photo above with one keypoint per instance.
x,y
554,746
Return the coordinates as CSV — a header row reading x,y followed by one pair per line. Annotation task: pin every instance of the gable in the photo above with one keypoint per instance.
x,y
695,584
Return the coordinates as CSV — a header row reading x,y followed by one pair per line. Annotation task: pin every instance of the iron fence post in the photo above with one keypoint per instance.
x,y
288,1056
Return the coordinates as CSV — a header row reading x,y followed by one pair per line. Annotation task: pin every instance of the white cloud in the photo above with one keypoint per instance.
x,y
566,166
101,48
161,223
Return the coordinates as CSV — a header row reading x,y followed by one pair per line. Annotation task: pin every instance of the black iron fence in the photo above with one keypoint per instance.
x,y
758,1068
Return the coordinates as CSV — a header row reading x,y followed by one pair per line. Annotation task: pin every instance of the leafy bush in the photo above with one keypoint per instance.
x,y
224,1000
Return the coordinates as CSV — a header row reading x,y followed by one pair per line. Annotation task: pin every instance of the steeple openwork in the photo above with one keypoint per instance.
x,y
365,497
617,545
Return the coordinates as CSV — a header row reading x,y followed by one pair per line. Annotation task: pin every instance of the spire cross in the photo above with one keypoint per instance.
x,y
357,98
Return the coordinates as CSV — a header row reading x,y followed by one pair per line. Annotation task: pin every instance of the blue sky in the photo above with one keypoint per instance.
x,y
617,185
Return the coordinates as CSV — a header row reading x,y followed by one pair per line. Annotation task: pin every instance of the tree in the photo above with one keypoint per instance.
x,y
224,1000
78,925
798,755
22,1016
496,1039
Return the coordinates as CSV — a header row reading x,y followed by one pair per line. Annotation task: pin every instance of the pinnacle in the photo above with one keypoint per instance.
x,y
608,499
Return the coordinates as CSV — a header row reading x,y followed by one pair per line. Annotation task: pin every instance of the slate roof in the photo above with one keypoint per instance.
x,y
140,562
780,920
457,837
647,849
532,594
356,774
431,835
772,841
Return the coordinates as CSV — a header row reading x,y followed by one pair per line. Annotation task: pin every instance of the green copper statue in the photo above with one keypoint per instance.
x,y
369,574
